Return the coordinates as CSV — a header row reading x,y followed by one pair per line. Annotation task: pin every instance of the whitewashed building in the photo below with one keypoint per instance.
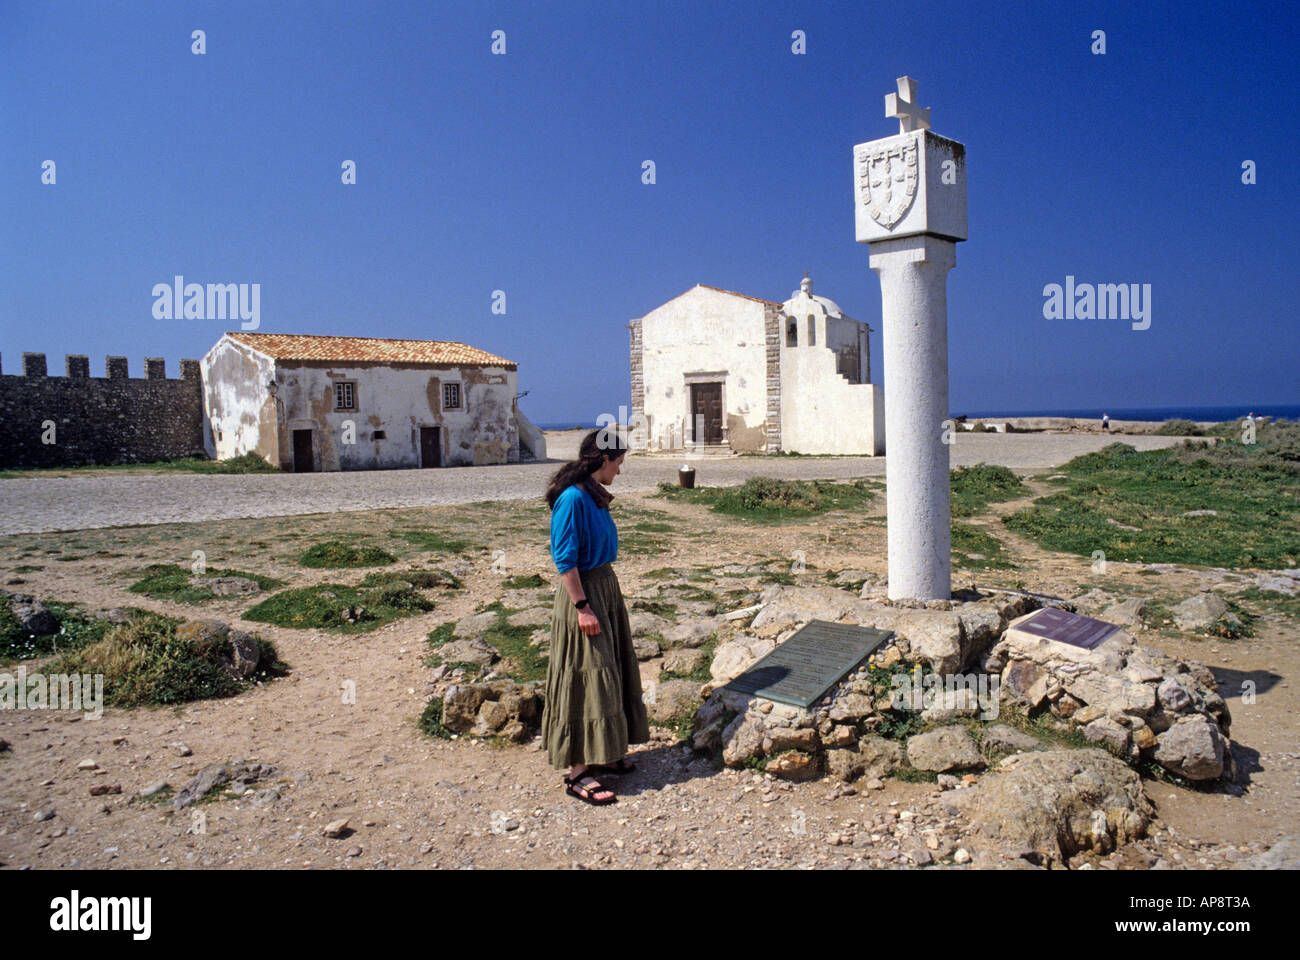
x,y
717,371
310,403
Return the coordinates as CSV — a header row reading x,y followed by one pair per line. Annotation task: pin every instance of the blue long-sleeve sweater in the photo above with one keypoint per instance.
x,y
582,535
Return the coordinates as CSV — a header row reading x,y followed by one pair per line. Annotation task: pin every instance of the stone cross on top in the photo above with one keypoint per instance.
x,y
902,106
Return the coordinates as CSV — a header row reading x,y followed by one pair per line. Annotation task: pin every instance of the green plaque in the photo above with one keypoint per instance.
x,y
812,661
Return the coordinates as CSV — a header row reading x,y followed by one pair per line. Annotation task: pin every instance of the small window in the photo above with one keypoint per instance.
x,y
792,335
812,331
379,435
345,395
451,396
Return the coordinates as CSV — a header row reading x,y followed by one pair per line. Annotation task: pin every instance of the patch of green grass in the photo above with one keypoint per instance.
x,y
167,581
1270,601
524,583
438,636
247,463
659,608
148,662
334,606
520,661
433,541
1253,488
651,527
913,775
968,539
1179,428
420,579
336,554
773,500
635,545
974,488
76,629
27,568
430,722
662,573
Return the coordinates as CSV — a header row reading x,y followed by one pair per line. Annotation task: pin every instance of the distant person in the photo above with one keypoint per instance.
x,y
593,704
1251,416
1105,423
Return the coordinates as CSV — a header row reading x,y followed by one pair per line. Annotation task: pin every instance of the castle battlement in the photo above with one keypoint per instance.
x,y
77,366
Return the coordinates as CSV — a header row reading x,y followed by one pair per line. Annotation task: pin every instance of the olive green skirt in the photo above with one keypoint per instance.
x,y
593,704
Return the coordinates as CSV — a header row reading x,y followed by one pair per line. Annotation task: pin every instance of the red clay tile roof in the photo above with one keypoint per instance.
x,y
735,294
297,346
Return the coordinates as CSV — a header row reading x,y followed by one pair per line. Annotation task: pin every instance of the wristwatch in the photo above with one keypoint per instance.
x,y
581,603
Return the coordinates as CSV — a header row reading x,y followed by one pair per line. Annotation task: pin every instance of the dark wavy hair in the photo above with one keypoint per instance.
x,y
596,448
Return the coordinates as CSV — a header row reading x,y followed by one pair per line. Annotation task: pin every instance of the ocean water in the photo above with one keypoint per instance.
x,y
1290,411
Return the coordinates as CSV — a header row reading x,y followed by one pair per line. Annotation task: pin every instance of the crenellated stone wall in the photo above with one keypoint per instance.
x,y
77,419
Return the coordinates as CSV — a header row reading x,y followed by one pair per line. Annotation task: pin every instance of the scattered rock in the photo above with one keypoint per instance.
x,y
684,660
1193,748
476,651
474,625
643,622
32,615
1049,805
535,617
336,829
1003,737
1127,612
227,586
794,765
1283,855
948,748
672,699
733,658
692,633
1199,611
645,647
497,708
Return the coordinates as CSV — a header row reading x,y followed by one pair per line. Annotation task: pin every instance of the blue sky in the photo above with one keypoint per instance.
x,y
522,173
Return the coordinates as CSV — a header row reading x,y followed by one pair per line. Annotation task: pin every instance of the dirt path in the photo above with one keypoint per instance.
x,y
416,801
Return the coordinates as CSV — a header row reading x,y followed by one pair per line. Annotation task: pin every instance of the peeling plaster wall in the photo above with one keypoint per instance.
x,y
234,394
704,330
398,400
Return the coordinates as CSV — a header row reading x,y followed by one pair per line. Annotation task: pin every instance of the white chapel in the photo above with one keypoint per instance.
x,y
717,371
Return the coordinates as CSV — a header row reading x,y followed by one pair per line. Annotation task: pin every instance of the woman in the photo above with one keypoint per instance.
x,y
593,687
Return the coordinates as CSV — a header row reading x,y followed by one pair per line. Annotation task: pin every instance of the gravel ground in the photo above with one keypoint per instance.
x,y
113,498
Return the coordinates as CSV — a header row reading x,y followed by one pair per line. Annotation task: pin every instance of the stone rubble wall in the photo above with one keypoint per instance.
x,y
99,420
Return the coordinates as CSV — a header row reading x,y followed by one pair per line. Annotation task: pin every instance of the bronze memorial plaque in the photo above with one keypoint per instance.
x,y
812,661
1053,623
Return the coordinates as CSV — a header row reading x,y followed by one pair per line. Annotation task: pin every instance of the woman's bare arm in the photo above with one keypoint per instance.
x,y
588,622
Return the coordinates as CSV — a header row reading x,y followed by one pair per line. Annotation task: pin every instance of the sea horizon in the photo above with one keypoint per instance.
x,y
1219,414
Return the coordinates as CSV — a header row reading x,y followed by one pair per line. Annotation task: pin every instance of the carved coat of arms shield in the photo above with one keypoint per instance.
x,y
887,181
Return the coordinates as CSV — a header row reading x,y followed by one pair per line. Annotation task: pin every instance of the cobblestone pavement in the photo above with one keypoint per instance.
x,y
109,499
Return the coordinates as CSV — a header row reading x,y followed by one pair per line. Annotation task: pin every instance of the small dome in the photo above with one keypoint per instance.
x,y
798,304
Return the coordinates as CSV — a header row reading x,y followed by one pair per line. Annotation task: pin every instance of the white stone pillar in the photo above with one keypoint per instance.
x,y
910,193
914,339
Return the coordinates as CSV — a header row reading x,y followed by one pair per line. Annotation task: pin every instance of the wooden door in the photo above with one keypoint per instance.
x,y
706,411
430,447
302,458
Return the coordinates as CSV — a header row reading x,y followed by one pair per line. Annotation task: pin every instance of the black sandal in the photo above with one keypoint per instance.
x,y
615,768
572,786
